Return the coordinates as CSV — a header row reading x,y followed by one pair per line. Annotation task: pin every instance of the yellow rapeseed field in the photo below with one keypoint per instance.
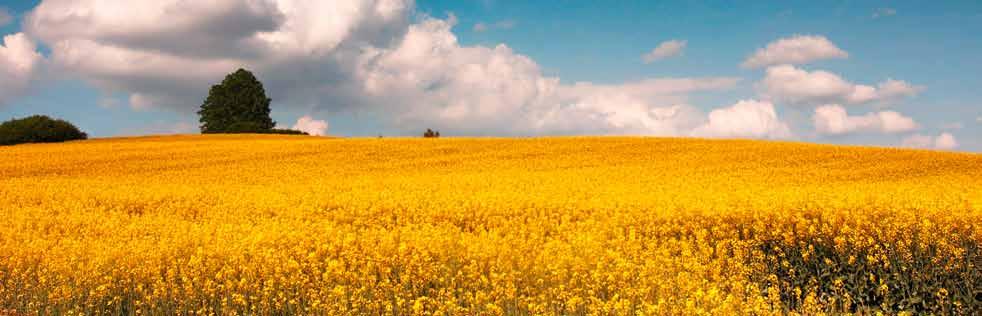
x,y
261,225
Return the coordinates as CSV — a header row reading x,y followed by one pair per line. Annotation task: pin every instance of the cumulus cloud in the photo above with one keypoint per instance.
x,y
798,49
311,126
375,56
139,101
944,141
500,25
834,120
169,52
664,50
20,65
917,141
745,119
5,17
790,84
474,89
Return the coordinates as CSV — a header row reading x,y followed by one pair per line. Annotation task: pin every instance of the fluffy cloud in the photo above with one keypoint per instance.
x,y
311,126
500,25
475,89
917,141
20,65
5,17
834,120
945,141
362,55
788,83
798,49
745,119
664,50
169,52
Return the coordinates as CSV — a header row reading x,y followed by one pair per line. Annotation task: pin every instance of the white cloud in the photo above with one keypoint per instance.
x,y
917,141
882,12
171,51
139,101
20,65
944,141
358,55
798,49
745,119
5,17
790,84
500,25
664,50
476,89
894,89
834,120
311,126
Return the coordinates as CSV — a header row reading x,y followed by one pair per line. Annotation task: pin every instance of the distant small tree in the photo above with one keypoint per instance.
x,y
38,129
238,104
431,134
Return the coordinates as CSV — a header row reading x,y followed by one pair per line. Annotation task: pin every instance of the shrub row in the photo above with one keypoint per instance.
x,y
38,129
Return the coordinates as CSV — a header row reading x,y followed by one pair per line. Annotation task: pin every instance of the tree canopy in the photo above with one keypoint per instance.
x,y
238,104
38,129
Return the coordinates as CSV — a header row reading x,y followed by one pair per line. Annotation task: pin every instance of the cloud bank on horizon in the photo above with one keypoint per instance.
x,y
408,69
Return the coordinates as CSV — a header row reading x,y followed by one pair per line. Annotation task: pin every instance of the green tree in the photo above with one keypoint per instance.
x,y
238,102
38,129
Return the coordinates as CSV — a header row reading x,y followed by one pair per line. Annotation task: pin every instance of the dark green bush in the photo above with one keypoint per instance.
x,y
253,128
38,129
431,134
286,132
245,127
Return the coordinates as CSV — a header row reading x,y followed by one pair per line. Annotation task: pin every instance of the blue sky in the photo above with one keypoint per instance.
x,y
932,46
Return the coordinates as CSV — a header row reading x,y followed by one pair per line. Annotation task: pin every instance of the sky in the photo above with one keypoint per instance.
x,y
883,73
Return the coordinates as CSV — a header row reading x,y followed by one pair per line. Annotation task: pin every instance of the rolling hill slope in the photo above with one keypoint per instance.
x,y
579,225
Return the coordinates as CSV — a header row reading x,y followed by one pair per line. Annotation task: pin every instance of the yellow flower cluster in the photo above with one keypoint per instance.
x,y
260,225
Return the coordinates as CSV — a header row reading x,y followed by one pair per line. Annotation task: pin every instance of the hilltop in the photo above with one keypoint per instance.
x,y
272,224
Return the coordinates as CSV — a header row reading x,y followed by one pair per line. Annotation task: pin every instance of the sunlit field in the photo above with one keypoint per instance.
x,y
263,225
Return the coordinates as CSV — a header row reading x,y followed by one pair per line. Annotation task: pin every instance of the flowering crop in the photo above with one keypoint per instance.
x,y
247,224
